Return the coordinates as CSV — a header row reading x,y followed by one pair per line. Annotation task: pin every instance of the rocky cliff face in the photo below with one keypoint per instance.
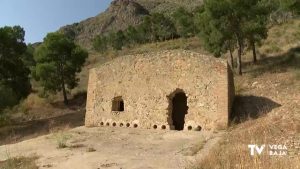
x,y
119,15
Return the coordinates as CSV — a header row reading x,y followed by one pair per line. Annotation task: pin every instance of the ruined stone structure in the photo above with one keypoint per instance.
x,y
178,90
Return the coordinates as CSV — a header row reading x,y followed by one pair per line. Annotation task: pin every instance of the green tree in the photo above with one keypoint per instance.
x,y
157,27
228,24
289,5
133,35
145,30
58,60
8,97
117,40
217,39
13,72
27,58
184,22
256,26
100,43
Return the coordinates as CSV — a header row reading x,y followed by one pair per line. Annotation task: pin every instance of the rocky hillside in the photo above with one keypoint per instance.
x,y
121,14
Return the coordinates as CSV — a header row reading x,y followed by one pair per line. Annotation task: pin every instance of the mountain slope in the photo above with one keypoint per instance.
x,y
120,15
168,6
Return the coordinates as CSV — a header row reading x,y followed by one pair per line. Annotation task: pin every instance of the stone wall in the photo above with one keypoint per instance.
x,y
147,83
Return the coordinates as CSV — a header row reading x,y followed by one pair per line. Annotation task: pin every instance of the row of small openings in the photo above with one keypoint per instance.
x,y
198,128
118,104
163,127
114,124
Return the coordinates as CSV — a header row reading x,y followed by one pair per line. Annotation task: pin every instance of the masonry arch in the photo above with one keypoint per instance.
x,y
178,108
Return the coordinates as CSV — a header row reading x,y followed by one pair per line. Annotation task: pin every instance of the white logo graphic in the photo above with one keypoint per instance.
x,y
273,150
257,148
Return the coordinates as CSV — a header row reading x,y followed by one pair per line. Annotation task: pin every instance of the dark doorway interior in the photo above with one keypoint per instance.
x,y
179,110
118,104
121,106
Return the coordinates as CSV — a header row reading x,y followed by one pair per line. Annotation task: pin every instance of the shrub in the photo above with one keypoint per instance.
x,y
61,139
8,97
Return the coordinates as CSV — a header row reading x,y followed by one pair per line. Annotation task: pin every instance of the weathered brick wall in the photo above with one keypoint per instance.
x,y
145,81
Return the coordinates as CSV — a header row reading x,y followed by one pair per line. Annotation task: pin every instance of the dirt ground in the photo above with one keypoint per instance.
x,y
112,148
21,131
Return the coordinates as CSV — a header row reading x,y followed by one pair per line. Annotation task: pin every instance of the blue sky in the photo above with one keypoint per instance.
x,y
39,17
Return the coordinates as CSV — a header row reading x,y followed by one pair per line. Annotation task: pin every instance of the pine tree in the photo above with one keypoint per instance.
x,y
226,25
14,75
58,60
100,43
184,23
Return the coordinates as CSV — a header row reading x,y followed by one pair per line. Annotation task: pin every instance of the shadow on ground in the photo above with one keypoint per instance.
x,y
22,131
251,107
276,64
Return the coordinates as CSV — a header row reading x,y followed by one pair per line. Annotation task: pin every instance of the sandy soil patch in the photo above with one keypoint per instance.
x,y
114,148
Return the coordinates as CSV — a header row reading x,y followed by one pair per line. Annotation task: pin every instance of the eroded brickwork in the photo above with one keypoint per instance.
x,y
146,83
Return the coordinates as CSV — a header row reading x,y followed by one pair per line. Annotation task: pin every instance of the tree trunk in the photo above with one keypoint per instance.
x,y
66,101
230,59
63,87
239,58
254,52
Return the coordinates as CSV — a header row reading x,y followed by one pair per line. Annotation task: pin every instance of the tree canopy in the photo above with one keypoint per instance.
x,y
155,27
100,43
184,23
58,60
229,24
13,72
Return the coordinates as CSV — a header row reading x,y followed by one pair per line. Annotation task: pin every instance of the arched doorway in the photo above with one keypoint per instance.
x,y
178,109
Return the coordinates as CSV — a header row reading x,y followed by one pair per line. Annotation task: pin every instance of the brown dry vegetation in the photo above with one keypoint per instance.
x,y
273,118
19,163
267,108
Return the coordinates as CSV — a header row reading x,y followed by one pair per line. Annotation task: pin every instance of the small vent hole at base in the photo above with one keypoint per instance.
x,y
198,128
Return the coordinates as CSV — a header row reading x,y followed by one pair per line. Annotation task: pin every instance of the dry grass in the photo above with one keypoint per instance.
x,y
193,44
19,163
282,37
192,150
33,101
233,152
35,107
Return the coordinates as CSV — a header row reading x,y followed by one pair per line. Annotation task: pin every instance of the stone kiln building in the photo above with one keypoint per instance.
x,y
178,90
